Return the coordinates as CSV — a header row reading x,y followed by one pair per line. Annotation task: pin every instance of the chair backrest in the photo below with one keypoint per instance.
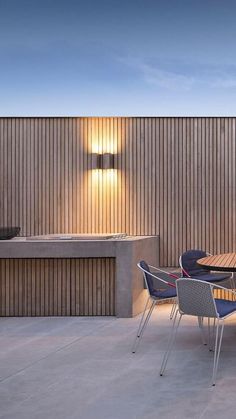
x,y
148,278
196,298
188,261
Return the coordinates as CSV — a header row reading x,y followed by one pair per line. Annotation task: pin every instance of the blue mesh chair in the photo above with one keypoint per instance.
x,y
190,268
155,295
196,298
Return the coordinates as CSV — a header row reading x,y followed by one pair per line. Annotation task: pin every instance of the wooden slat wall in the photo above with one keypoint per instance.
x,y
57,287
175,178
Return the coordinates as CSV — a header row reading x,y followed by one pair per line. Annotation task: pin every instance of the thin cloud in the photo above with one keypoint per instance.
x,y
224,81
166,79
223,77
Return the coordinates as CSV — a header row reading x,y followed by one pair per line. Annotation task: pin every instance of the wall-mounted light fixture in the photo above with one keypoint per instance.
x,y
105,161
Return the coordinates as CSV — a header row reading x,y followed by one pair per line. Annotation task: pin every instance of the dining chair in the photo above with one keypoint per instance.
x,y
196,298
164,291
191,269
168,275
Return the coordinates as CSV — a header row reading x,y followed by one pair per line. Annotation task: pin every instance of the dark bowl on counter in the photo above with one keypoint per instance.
x,y
7,233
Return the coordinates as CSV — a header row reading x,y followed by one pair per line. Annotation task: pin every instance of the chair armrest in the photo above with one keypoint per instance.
x,y
158,278
165,272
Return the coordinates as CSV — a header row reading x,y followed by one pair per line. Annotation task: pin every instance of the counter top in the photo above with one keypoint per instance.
x,y
36,247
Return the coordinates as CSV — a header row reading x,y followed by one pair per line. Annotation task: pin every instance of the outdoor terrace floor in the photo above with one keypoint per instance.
x,y
74,367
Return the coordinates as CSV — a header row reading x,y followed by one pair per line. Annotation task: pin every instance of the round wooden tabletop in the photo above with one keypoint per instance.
x,y
223,262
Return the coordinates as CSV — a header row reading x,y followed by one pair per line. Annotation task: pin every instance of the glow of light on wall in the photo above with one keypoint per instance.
x,y
102,138
102,147
106,177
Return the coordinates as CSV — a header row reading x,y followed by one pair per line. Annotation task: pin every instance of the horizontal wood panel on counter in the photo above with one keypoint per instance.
x,y
57,287
173,177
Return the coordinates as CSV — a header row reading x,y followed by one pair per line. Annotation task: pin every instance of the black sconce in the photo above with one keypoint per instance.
x,y
105,161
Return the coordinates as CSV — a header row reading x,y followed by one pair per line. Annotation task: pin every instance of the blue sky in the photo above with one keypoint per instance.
x,y
109,57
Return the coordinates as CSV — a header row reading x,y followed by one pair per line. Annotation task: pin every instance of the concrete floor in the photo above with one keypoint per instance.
x,y
67,368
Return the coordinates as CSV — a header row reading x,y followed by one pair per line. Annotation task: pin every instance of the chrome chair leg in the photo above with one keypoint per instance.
x,y
142,318
218,341
232,283
211,333
143,324
173,309
171,340
200,323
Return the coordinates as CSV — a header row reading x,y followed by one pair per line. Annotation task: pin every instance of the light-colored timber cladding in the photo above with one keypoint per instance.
x,y
57,287
175,177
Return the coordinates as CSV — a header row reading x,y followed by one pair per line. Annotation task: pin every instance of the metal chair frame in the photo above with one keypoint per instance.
x,y
170,274
217,330
151,299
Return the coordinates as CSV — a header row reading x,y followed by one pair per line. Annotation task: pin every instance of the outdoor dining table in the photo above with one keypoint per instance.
x,y
221,262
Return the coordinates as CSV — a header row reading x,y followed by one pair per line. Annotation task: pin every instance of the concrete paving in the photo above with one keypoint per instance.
x,y
83,368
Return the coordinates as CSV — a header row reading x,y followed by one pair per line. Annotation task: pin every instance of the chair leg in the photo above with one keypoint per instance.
x,y
171,340
218,341
211,333
142,318
143,323
200,323
173,309
232,284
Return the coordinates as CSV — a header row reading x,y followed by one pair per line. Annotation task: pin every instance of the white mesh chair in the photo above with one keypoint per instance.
x,y
154,297
195,298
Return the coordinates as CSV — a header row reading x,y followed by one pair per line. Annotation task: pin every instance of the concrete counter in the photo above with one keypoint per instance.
x,y
127,252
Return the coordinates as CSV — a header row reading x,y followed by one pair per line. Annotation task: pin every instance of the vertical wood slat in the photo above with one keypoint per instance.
x,y
175,177
55,287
